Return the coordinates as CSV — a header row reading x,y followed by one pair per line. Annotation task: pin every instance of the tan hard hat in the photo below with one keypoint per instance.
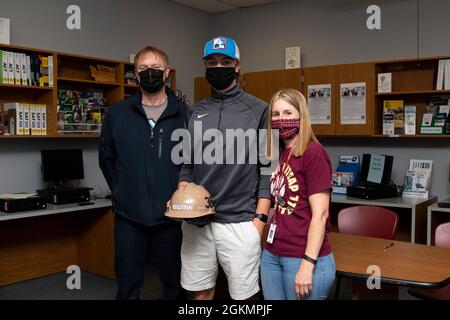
x,y
191,201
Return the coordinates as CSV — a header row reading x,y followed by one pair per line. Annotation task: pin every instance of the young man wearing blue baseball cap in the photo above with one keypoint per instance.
x,y
241,194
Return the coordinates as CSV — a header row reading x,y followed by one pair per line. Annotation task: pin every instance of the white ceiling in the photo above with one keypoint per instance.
x,y
215,6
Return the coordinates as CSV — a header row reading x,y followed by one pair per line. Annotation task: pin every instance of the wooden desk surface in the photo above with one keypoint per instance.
x,y
405,263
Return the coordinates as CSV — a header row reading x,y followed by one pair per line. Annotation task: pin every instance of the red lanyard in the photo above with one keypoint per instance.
x,y
278,178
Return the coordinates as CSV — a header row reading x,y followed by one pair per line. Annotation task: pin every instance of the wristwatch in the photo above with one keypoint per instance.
x,y
261,216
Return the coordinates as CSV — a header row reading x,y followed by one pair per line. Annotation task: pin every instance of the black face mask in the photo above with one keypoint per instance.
x,y
151,80
220,77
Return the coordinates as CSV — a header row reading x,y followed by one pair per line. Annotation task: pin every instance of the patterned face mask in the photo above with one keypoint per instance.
x,y
288,128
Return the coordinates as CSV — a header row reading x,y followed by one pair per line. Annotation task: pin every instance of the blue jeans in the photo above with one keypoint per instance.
x,y
278,277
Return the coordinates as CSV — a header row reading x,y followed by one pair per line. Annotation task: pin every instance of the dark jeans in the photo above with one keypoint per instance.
x,y
132,243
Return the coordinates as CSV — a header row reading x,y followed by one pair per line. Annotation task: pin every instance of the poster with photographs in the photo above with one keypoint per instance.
x,y
319,103
353,103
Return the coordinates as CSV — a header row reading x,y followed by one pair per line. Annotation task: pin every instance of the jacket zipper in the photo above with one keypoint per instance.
x,y
160,142
152,137
220,114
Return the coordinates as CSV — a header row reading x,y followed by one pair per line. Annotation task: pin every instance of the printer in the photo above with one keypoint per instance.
x,y
375,179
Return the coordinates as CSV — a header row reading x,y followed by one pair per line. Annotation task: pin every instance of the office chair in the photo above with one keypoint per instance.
x,y
367,221
442,239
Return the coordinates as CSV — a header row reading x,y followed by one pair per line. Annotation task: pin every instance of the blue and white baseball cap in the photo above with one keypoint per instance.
x,y
222,45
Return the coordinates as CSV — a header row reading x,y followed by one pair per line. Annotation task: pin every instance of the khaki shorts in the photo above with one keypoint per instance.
x,y
236,246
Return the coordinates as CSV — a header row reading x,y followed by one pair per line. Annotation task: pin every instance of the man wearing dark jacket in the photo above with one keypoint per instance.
x,y
134,155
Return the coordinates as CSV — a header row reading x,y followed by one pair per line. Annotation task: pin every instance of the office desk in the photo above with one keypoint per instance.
x,y
412,213
436,216
42,242
405,264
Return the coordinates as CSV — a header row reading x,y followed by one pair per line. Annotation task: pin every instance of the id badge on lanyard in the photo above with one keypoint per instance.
x,y
271,234
279,201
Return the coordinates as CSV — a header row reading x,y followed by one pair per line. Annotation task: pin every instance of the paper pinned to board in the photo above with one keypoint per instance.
x,y
319,103
5,31
353,103
292,57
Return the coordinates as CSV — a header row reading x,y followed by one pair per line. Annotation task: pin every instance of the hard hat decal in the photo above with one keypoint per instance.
x,y
185,207
192,201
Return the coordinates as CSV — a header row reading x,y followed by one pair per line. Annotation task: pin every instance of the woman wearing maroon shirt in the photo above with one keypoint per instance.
x,y
297,262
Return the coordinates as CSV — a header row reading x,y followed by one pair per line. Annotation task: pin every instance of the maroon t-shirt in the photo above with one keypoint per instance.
x,y
302,177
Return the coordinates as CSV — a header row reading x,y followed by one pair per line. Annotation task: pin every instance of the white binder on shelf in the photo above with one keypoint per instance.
x,y
38,119
17,67
44,120
11,71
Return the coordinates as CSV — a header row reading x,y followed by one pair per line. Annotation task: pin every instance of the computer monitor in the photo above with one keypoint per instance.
x,y
376,169
62,165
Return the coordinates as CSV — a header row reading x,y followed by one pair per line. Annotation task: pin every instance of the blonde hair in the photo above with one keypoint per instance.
x,y
155,51
305,134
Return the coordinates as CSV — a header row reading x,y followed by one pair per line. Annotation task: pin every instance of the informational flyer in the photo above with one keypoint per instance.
x,y
292,57
319,103
376,168
5,33
353,103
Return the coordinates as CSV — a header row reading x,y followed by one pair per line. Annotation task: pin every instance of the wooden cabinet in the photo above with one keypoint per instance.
x,y
259,84
355,73
264,84
202,89
321,76
413,81
335,76
283,79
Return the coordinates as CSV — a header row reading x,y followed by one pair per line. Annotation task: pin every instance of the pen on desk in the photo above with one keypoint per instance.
x,y
388,246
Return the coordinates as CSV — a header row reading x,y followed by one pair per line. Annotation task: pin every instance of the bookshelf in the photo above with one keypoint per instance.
x,y
414,81
71,73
